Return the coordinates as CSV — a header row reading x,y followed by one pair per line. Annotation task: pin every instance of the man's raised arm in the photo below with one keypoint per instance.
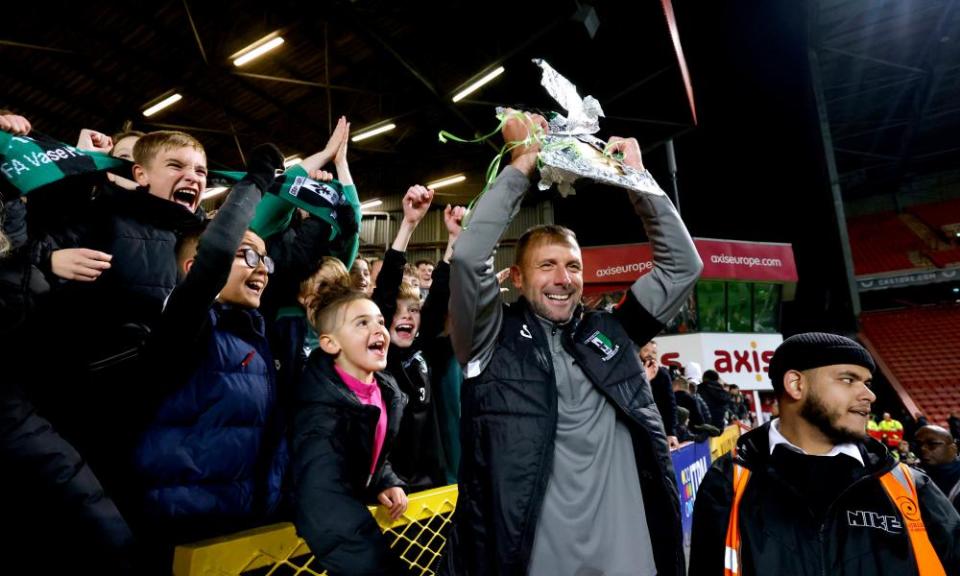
x,y
475,306
656,297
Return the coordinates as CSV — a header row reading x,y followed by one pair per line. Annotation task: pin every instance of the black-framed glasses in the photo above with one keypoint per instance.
x,y
252,258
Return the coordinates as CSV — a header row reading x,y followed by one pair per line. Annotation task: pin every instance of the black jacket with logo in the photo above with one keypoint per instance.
x,y
509,424
859,532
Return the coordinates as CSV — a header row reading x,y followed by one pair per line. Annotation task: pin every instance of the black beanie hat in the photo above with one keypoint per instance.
x,y
813,350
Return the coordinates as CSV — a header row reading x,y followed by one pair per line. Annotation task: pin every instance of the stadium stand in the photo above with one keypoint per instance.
x,y
919,353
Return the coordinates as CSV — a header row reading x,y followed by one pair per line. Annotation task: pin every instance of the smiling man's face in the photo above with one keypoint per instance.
x,y
551,279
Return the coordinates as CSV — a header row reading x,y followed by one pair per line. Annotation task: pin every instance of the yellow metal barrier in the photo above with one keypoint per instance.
x,y
273,550
720,445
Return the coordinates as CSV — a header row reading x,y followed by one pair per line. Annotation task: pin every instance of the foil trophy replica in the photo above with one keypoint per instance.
x,y
570,151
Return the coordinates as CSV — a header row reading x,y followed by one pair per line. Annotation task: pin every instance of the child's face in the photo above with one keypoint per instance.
x,y
175,174
360,273
123,149
360,340
246,284
406,323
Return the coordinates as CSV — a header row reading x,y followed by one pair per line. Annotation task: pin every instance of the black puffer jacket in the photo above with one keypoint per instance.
x,y
509,422
88,392
333,445
140,231
47,490
419,456
859,532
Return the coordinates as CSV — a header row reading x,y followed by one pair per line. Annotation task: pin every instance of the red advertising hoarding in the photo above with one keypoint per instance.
x,y
722,260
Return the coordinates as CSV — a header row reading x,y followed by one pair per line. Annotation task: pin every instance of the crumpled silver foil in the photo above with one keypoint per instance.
x,y
570,151
583,114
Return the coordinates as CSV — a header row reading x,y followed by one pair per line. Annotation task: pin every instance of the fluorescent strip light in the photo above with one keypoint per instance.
x,y
373,132
476,85
257,49
370,204
291,160
448,181
169,100
211,192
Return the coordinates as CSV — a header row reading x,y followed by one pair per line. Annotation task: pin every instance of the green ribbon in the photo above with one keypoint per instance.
x,y
535,135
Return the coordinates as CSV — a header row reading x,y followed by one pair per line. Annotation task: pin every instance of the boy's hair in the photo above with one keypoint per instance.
x,y
187,243
420,262
408,292
149,145
127,134
409,270
324,309
543,234
336,276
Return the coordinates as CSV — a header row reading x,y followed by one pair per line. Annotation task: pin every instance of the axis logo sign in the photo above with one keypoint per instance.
x,y
741,359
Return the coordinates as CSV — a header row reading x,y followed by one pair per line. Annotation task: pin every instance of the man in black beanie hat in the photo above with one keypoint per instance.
x,y
811,493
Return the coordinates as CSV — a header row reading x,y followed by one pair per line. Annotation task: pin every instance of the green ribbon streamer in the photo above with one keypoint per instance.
x,y
534,136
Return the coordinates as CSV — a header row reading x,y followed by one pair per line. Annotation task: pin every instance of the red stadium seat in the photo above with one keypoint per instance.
x,y
920,347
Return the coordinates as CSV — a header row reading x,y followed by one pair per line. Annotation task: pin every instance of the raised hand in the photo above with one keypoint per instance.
x,y
337,138
518,128
321,176
340,158
416,202
94,141
629,148
453,220
16,125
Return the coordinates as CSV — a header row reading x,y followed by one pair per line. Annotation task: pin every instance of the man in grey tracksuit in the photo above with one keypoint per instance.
x,y
565,466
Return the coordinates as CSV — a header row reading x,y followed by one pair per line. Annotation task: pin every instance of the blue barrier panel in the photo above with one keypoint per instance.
x,y
690,464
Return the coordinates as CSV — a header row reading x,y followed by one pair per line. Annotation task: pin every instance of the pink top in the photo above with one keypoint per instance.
x,y
369,394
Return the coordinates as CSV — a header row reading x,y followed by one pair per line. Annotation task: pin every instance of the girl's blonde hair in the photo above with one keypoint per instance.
x,y
330,273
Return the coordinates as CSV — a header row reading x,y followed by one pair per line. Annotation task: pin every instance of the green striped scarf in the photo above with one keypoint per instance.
x,y
30,163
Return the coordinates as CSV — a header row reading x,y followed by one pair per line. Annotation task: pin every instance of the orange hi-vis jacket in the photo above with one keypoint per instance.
x,y
899,486
753,516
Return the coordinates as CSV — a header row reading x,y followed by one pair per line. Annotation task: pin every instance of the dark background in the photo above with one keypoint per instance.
x,y
753,167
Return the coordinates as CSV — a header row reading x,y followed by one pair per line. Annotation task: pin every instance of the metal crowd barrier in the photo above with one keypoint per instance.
x,y
417,537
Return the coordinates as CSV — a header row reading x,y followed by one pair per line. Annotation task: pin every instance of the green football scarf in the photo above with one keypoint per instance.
x,y
29,163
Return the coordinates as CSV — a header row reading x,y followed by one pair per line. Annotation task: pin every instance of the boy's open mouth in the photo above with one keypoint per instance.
x,y
255,285
185,197
405,329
